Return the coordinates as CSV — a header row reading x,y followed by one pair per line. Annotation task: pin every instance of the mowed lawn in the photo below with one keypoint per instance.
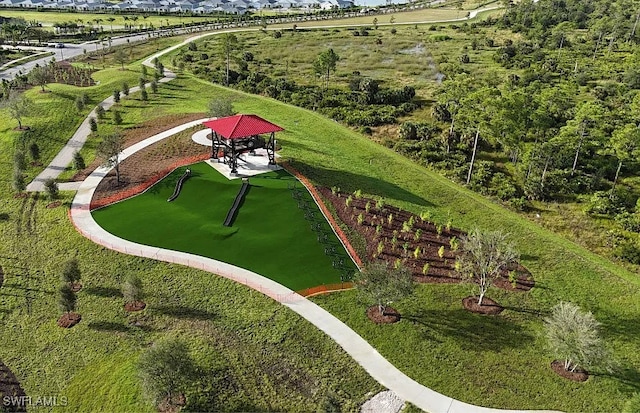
x,y
269,236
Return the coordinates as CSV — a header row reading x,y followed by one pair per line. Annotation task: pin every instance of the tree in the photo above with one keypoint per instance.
x,y
484,255
154,87
78,161
39,76
19,160
51,188
66,299
165,369
573,336
142,82
93,124
18,182
100,112
34,152
71,273
18,106
117,117
79,104
144,96
120,57
132,290
125,88
382,285
325,63
111,20
109,150
220,108
116,96
229,42
625,145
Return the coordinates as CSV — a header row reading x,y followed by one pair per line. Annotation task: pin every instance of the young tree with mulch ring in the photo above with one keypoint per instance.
x,y
71,274
484,256
165,370
133,294
78,161
51,188
573,336
109,150
18,106
380,284
67,302
18,182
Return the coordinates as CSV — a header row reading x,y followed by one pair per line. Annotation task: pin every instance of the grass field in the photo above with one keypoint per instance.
x,y
269,236
501,361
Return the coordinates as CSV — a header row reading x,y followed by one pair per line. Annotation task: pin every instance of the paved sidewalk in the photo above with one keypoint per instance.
x,y
77,141
362,352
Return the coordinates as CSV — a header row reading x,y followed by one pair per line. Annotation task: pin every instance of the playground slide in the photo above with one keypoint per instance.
x,y
236,203
176,191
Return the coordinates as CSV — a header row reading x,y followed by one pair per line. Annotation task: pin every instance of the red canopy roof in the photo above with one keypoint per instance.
x,y
241,126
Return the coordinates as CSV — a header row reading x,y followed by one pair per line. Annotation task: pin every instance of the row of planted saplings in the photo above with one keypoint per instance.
x,y
71,276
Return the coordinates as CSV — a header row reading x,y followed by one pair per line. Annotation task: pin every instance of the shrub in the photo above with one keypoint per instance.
x,y
125,89
78,161
100,112
154,87
132,290
116,96
93,125
19,161
85,98
117,117
71,272
66,299
34,152
573,336
605,203
79,104
144,96
628,251
220,108
51,188
18,182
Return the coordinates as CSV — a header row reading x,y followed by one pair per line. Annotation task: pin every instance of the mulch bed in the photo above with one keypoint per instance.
x,y
54,204
433,240
10,387
141,169
488,307
389,316
141,132
578,375
68,320
134,306
20,195
75,287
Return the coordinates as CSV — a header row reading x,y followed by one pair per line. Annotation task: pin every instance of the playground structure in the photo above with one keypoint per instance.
x,y
228,221
236,135
183,178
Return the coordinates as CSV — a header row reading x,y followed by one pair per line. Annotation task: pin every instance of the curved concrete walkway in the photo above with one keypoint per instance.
x,y
362,352
77,141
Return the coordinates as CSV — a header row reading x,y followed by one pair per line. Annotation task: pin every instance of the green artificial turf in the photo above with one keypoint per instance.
x,y
269,236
